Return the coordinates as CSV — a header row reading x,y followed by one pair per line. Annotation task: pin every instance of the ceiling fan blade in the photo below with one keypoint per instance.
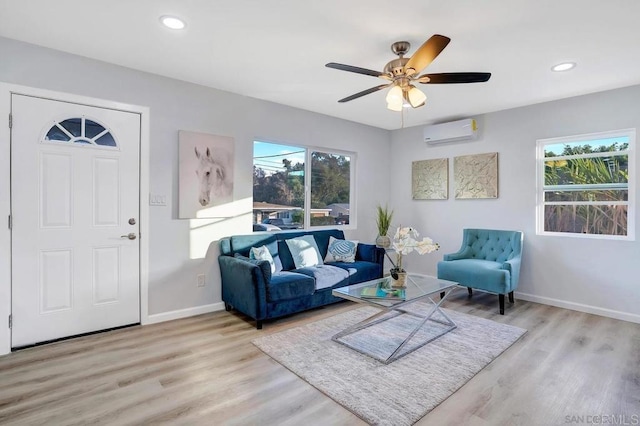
x,y
364,92
357,70
455,78
426,54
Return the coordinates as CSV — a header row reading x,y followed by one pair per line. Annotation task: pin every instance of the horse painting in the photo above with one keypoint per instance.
x,y
211,177
206,172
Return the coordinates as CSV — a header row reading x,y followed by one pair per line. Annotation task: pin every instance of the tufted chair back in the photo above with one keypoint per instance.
x,y
490,244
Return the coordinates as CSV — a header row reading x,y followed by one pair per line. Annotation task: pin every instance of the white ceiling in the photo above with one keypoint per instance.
x,y
276,50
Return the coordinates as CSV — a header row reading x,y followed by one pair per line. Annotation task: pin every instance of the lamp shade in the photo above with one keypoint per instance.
x,y
394,95
416,97
395,106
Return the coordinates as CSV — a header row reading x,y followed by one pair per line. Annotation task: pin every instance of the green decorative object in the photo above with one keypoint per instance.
x,y
383,222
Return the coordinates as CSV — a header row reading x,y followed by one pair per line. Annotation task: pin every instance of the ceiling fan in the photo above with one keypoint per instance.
x,y
403,72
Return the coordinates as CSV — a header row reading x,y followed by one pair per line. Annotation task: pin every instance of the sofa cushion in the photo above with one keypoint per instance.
x,y
360,270
285,256
341,250
304,251
326,276
366,252
244,243
469,272
286,285
322,239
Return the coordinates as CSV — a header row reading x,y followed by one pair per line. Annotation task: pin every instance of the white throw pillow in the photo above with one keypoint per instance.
x,y
341,250
262,253
304,251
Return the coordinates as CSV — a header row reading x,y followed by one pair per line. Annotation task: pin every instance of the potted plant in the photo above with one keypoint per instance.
x,y
404,242
383,222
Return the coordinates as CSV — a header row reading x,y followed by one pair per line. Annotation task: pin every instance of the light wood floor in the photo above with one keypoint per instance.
x,y
204,370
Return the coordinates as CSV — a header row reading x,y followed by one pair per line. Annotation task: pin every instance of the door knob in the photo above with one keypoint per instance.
x,y
131,236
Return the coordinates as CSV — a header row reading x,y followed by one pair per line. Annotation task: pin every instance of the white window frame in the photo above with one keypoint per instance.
x,y
585,138
307,182
72,139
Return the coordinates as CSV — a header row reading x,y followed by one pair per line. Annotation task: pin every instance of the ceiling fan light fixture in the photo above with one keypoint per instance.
x,y
416,97
401,73
172,22
394,95
395,106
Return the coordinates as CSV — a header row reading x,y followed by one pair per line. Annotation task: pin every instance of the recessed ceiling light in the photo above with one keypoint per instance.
x,y
565,66
172,22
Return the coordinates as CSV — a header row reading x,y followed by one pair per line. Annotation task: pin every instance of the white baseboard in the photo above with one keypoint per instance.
x,y
610,313
183,313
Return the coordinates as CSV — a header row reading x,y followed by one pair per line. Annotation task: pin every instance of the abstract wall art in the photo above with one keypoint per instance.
x,y
430,179
476,176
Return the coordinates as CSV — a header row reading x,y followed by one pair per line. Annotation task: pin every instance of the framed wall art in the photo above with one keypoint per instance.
x,y
206,173
430,179
476,176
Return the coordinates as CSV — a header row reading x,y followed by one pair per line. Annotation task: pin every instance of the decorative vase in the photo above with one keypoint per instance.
x,y
398,279
383,241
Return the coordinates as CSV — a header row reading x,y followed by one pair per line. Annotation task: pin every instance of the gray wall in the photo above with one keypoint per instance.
x,y
599,276
592,275
178,247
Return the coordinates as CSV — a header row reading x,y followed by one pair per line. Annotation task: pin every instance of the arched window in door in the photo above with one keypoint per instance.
x,y
81,131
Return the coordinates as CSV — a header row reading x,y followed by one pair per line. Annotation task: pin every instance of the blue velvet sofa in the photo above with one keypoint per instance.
x,y
249,286
488,260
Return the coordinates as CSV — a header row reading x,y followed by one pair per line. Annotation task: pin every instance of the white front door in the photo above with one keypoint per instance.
x,y
75,202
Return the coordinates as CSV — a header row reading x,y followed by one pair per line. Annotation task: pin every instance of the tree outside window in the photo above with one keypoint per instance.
x,y
584,185
294,185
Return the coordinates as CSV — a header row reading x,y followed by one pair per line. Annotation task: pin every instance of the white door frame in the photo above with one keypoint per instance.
x,y
6,90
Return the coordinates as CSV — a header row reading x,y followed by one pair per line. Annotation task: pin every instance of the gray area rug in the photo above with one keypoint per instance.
x,y
399,393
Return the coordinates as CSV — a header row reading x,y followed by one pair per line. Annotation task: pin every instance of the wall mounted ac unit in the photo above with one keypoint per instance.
x,y
450,132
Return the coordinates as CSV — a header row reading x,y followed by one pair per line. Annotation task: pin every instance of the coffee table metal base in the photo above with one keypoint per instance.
x,y
396,311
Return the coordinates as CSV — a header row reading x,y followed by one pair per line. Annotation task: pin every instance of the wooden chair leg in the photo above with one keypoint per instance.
x,y
511,296
470,290
442,295
501,300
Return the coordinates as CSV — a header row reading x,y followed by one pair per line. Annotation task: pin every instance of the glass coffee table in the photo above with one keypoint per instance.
x,y
401,326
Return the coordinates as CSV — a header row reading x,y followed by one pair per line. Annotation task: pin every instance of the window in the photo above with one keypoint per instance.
x,y
80,131
585,185
298,187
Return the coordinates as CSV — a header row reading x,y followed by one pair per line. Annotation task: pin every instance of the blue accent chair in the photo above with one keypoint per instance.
x,y
488,260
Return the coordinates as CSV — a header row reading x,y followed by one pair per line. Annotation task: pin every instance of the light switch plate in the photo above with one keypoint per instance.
x,y
157,200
